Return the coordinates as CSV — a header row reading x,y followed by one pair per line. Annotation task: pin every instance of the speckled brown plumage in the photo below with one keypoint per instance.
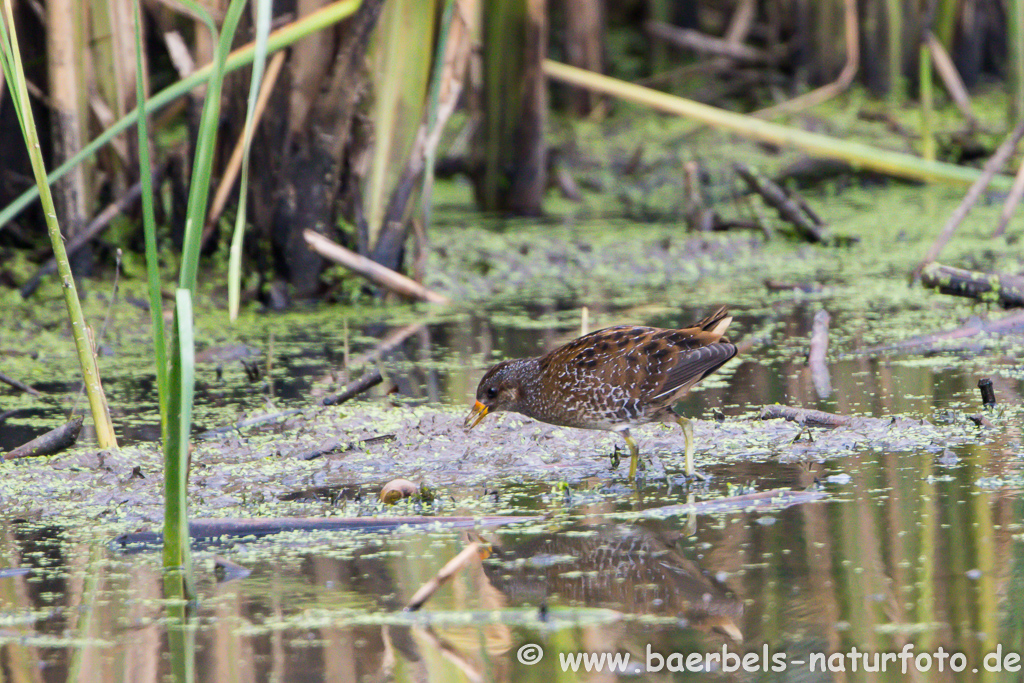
x,y
613,379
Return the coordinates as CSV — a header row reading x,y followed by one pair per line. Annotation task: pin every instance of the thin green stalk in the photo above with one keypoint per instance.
x,y
927,104
281,38
264,12
894,21
15,75
202,167
432,104
176,457
149,228
1015,41
858,154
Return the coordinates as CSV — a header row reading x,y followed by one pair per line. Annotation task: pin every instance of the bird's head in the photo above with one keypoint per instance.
x,y
499,389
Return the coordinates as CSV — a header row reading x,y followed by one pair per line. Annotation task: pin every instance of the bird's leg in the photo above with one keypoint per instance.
x,y
634,453
615,458
688,436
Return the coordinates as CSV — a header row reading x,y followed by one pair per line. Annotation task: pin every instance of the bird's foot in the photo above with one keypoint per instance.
x,y
615,458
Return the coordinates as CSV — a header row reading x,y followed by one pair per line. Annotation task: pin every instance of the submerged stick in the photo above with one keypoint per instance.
x,y
371,270
444,575
19,385
817,353
804,416
992,166
234,528
367,381
53,441
1006,290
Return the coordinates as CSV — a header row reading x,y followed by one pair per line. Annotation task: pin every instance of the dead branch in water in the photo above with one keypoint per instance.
x,y
702,42
1006,290
792,208
1012,200
804,416
367,381
20,386
1005,325
53,441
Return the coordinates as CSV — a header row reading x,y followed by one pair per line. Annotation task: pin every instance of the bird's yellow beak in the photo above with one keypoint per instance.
x,y
477,415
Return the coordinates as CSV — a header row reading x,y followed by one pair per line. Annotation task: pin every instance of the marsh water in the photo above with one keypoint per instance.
x,y
909,542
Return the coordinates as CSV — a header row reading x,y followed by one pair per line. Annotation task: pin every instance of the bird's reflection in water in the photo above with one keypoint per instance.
x,y
637,569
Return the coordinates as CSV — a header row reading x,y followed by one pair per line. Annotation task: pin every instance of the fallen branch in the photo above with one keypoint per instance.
x,y
804,416
248,422
371,270
20,386
53,441
367,381
992,166
817,353
703,43
387,344
790,207
451,568
1006,290
335,446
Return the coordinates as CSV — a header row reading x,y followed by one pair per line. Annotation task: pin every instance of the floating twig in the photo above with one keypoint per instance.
x,y
371,270
805,416
444,575
353,389
792,209
19,385
817,353
1006,290
991,168
53,441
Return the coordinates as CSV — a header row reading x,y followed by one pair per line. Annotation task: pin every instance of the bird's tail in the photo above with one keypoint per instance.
x,y
717,322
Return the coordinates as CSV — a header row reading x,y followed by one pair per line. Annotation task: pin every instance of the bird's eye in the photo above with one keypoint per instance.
x,y
492,392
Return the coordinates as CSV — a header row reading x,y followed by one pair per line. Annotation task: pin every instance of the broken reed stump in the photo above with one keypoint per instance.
x,y
988,392
790,206
53,441
804,416
817,353
1006,290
